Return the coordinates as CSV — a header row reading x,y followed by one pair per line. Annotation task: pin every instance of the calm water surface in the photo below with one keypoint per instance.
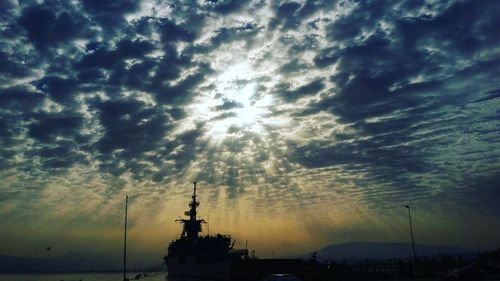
x,y
153,276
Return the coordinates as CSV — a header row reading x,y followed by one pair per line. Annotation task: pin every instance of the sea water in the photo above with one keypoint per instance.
x,y
152,276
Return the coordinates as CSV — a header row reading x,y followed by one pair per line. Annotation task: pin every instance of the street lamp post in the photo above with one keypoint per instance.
x,y
125,243
411,232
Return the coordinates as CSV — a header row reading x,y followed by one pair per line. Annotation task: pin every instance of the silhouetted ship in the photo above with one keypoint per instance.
x,y
195,256
212,257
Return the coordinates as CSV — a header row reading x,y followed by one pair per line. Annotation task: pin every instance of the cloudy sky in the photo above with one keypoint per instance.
x,y
305,123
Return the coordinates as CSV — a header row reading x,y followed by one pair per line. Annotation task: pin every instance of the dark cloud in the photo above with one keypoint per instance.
x,y
109,14
495,94
293,66
48,126
370,76
59,89
4,130
189,144
311,88
19,99
59,155
374,98
228,6
130,126
286,17
107,59
111,64
378,156
225,115
228,105
172,32
465,27
11,68
46,28
136,140
477,192
226,35
183,90
18,103
344,28
182,150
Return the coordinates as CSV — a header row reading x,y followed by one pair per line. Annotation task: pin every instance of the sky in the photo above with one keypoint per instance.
x,y
305,123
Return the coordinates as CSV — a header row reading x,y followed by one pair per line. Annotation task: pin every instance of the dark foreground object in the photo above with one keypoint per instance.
x,y
212,257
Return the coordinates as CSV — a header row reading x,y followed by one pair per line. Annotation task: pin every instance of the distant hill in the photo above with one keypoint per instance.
x,y
369,250
71,262
67,263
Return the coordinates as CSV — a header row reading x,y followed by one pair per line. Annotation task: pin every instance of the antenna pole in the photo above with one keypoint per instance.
x,y
125,243
411,232
412,243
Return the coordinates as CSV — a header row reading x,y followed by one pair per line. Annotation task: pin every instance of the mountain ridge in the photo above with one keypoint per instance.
x,y
360,250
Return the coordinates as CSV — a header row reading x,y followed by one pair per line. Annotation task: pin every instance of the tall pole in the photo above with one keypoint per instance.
x,y
411,232
125,243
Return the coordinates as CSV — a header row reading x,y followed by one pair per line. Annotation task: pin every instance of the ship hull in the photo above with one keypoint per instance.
x,y
198,271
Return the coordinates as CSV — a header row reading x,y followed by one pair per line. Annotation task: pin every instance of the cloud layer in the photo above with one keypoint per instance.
x,y
327,114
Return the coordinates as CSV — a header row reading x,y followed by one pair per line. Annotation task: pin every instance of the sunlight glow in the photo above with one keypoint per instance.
x,y
233,104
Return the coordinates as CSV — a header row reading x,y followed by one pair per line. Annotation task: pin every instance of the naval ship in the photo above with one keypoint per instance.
x,y
193,256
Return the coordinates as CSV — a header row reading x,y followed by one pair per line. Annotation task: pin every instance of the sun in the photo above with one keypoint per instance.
x,y
233,102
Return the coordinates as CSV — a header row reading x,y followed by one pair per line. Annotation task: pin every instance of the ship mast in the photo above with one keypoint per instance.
x,y
194,204
192,226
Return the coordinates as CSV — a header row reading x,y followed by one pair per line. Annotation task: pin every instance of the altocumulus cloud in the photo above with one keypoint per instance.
x,y
270,104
